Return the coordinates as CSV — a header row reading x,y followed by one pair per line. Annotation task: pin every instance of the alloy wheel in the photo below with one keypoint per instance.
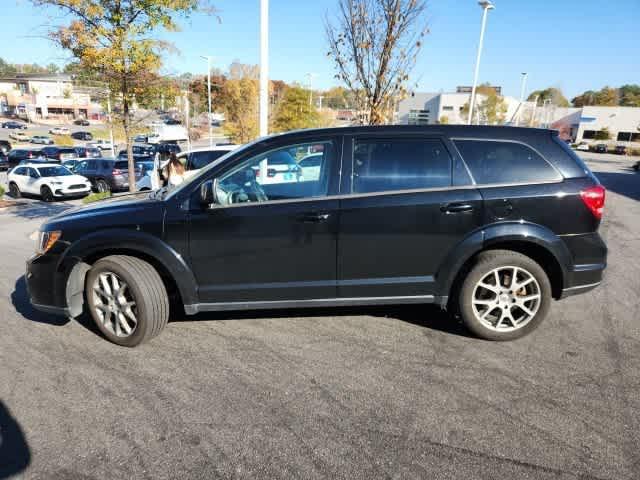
x,y
506,298
114,304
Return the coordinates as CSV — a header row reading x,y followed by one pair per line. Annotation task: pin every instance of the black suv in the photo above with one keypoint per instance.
x,y
106,174
491,223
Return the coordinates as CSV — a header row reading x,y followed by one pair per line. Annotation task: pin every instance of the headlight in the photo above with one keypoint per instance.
x,y
46,240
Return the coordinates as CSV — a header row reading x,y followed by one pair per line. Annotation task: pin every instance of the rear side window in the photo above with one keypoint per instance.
x,y
199,160
504,162
400,164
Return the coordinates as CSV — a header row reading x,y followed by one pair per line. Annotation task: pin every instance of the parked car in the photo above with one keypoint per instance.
x,y
5,147
101,144
88,152
277,168
49,181
107,174
82,122
193,161
59,153
166,149
601,148
71,164
4,162
19,136
462,216
42,139
14,125
583,146
620,150
86,136
59,131
140,152
15,156
140,138
311,165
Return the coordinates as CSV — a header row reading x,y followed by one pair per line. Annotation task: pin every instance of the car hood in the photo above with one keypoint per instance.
x,y
118,211
69,179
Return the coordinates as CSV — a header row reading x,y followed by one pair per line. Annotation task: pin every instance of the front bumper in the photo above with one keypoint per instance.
x,y
46,284
76,192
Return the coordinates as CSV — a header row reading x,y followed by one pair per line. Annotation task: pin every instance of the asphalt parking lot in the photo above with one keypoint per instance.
x,y
398,392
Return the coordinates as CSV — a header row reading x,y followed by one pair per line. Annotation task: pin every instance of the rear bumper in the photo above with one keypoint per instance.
x,y
589,254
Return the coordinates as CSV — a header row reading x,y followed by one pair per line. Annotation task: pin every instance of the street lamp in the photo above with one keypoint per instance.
x,y
486,6
208,59
264,67
522,89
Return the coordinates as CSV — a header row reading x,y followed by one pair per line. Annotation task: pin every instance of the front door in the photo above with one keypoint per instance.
x,y
407,210
272,234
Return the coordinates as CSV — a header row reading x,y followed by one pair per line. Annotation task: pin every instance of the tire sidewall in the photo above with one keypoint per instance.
x,y
46,194
143,324
14,190
479,271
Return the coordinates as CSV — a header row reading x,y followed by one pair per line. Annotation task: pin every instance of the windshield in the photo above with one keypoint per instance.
x,y
189,180
56,171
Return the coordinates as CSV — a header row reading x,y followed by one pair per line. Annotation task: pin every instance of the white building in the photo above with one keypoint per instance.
x,y
583,124
433,108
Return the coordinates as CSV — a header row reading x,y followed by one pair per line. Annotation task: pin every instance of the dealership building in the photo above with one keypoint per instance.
x,y
583,124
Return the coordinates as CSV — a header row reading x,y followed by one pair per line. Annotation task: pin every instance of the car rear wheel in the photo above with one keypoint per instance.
x,y
46,194
14,191
102,186
127,299
505,295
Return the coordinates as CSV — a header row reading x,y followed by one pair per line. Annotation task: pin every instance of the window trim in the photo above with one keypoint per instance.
x,y
377,137
560,177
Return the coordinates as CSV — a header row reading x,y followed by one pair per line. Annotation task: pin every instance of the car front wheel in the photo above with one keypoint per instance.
x,y
505,295
14,191
127,299
46,194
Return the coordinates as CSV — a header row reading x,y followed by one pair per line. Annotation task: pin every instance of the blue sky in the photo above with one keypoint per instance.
x,y
571,44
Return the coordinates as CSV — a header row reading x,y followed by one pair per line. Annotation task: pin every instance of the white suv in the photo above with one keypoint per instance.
x,y
48,180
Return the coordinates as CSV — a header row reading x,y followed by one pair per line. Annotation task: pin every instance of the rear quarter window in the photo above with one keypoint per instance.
x,y
494,161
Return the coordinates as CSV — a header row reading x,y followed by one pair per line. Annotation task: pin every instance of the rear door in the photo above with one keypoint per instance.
x,y
410,203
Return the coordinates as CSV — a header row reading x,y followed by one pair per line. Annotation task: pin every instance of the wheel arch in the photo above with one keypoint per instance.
x,y
175,273
532,240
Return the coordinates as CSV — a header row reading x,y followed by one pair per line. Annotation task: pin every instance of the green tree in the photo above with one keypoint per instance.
x,y
52,68
294,111
554,95
607,97
492,110
630,95
6,68
240,105
117,42
585,99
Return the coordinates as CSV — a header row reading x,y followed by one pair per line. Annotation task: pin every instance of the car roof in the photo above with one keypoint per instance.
x,y
38,164
215,148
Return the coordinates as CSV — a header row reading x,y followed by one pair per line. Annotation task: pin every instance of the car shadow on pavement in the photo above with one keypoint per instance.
x,y
37,209
20,300
15,455
627,184
428,316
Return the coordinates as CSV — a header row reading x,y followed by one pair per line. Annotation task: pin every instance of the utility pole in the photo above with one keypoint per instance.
x,y
310,77
264,68
486,6
208,59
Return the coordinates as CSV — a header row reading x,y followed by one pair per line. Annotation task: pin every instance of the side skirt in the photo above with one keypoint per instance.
x,y
323,302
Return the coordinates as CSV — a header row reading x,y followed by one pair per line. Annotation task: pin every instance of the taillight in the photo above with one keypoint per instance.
x,y
593,198
117,171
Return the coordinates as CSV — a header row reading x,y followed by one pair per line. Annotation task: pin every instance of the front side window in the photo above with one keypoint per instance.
x,y
400,164
504,162
278,175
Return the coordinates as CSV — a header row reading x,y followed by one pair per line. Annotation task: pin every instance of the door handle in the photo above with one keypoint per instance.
x,y
456,208
313,217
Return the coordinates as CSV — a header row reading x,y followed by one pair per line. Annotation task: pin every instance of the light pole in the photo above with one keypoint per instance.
x,y
310,76
486,6
522,88
208,59
264,67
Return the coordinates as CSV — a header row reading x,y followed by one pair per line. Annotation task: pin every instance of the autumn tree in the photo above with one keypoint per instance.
x,y
294,111
116,42
374,44
630,95
239,98
552,95
490,108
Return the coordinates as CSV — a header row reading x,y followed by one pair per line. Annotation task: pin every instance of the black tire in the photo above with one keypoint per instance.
x,y
46,194
485,263
146,288
14,190
102,186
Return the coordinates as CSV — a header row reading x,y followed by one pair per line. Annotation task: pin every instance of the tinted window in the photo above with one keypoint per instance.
x,y
20,171
200,159
57,171
121,165
504,162
399,164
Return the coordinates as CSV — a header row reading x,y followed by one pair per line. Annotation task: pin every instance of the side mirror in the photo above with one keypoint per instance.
x,y
208,193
